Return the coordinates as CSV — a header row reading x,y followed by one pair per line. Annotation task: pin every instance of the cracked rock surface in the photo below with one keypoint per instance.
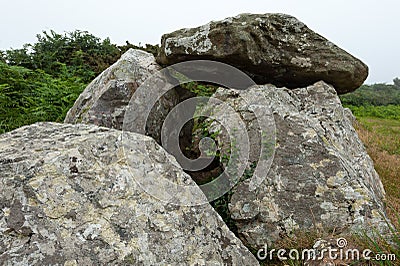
x,y
321,175
105,100
270,48
69,197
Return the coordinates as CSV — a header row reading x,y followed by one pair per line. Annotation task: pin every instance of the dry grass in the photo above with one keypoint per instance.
x,y
381,137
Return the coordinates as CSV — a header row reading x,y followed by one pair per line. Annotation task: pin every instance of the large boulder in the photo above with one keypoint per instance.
x,y
70,196
106,98
320,177
270,48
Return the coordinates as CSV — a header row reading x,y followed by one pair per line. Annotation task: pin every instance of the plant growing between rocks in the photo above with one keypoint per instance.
x,y
321,182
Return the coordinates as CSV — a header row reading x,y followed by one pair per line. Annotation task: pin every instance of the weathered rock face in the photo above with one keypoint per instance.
x,y
106,98
320,177
69,197
270,48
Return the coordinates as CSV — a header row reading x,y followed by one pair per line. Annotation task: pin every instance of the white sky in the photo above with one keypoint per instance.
x,y
368,29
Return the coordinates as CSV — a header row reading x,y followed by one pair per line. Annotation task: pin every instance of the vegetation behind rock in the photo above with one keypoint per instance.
x,y
41,81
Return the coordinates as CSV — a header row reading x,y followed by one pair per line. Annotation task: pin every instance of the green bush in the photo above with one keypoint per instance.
x,y
376,94
387,112
29,96
41,81
83,54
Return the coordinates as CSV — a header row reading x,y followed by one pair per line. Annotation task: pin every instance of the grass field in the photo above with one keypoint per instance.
x,y
381,137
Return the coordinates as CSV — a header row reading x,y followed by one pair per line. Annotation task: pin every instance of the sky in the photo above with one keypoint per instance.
x,y
368,29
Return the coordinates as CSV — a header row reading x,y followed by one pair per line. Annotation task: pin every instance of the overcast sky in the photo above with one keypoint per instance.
x,y
368,29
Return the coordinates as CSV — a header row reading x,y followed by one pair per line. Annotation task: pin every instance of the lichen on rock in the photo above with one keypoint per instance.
x,y
320,177
270,48
69,197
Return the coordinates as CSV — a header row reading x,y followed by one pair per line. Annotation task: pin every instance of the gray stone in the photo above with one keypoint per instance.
x,y
270,48
105,99
70,196
321,176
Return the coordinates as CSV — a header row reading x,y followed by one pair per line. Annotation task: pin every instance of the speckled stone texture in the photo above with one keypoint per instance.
x,y
270,48
68,197
321,176
105,99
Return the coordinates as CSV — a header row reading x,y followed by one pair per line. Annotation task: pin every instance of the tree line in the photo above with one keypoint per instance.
x,y
379,94
377,100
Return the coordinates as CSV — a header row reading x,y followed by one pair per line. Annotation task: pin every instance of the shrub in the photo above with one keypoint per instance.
x,y
29,96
